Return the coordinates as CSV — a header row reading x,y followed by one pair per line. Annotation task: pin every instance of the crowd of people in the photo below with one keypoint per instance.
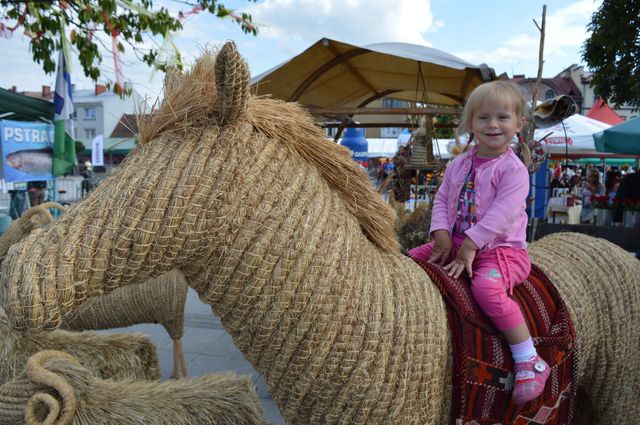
x,y
589,184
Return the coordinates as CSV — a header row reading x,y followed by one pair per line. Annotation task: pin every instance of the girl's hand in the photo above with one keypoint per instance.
x,y
442,247
464,260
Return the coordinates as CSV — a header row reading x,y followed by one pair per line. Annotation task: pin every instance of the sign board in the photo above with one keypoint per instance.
x,y
27,151
97,150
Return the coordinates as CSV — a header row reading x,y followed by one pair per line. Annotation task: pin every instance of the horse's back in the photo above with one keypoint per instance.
x,y
598,281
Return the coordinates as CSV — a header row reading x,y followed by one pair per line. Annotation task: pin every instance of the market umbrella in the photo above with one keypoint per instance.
x,y
579,135
623,138
331,73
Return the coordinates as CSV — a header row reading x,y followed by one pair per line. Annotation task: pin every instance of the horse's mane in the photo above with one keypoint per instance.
x,y
191,102
291,124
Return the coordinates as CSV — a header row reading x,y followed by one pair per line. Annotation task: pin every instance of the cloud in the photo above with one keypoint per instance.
x,y
565,32
286,28
295,22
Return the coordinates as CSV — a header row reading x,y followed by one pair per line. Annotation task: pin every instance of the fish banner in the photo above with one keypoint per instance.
x,y
27,151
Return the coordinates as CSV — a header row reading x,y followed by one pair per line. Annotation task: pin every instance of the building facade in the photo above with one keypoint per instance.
x,y
573,81
98,111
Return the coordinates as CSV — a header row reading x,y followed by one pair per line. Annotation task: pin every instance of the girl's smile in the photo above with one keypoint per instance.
x,y
494,126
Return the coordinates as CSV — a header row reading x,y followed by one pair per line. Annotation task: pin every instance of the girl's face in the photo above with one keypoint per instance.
x,y
494,125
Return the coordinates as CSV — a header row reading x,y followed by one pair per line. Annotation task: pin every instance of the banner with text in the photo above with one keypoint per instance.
x,y
27,151
97,151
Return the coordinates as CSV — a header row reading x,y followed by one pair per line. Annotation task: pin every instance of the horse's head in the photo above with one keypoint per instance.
x,y
220,183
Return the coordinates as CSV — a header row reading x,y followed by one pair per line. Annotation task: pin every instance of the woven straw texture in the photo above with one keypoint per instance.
x,y
158,300
599,283
130,356
33,218
281,233
56,389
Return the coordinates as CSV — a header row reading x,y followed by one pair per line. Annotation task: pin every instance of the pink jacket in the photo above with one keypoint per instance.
x,y
502,187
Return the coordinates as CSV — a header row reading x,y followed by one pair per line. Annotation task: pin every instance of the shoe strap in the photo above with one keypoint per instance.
x,y
528,366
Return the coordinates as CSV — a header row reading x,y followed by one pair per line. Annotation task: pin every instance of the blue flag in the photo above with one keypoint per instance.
x,y
64,147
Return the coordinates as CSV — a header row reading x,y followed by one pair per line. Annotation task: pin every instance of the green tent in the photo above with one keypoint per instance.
x,y
623,138
18,107
606,161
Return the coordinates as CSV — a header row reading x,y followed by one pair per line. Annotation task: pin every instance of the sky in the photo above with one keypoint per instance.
x,y
500,33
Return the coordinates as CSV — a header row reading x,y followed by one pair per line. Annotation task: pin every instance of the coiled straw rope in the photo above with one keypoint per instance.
x,y
116,356
56,389
33,218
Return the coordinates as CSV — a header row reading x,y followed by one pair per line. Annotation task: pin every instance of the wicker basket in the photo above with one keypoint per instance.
x,y
419,156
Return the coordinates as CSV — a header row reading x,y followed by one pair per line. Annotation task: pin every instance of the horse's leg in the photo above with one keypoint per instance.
x,y
184,373
179,365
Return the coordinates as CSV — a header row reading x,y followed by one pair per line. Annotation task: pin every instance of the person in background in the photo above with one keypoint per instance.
x,y
488,240
611,186
629,189
37,192
556,177
86,171
590,188
574,185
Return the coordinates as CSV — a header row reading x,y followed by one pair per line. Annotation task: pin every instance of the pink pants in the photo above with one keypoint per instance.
x,y
495,273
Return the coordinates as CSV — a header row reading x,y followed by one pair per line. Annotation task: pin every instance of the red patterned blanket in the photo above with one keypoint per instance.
x,y
483,374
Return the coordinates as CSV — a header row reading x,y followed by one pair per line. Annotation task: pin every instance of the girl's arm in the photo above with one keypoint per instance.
x,y
439,212
506,208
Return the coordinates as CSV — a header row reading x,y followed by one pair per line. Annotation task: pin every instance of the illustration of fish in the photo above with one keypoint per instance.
x,y
31,161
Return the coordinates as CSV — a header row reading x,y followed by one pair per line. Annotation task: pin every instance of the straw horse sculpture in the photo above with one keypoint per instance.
x,y
286,239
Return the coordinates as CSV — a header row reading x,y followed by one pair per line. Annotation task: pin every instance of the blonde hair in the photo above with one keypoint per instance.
x,y
500,92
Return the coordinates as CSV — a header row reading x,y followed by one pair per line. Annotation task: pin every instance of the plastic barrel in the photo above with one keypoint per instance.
x,y
358,145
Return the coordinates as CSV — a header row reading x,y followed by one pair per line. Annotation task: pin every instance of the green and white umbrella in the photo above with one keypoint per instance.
x,y
623,138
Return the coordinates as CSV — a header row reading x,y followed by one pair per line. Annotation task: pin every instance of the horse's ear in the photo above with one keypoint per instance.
x,y
232,83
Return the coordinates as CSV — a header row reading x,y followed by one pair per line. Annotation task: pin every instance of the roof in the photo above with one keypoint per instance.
x,y
127,126
601,111
561,85
89,95
114,146
24,108
332,73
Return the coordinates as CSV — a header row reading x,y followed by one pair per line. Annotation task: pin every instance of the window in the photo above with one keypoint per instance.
x,y
392,103
390,132
89,133
330,131
549,94
89,113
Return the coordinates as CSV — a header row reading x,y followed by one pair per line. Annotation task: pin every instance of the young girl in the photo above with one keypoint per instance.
x,y
478,222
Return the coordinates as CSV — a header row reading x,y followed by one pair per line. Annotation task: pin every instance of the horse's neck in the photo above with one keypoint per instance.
x,y
307,297
287,238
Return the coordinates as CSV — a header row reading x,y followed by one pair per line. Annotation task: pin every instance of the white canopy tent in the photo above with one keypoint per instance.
x,y
380,147
579,136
